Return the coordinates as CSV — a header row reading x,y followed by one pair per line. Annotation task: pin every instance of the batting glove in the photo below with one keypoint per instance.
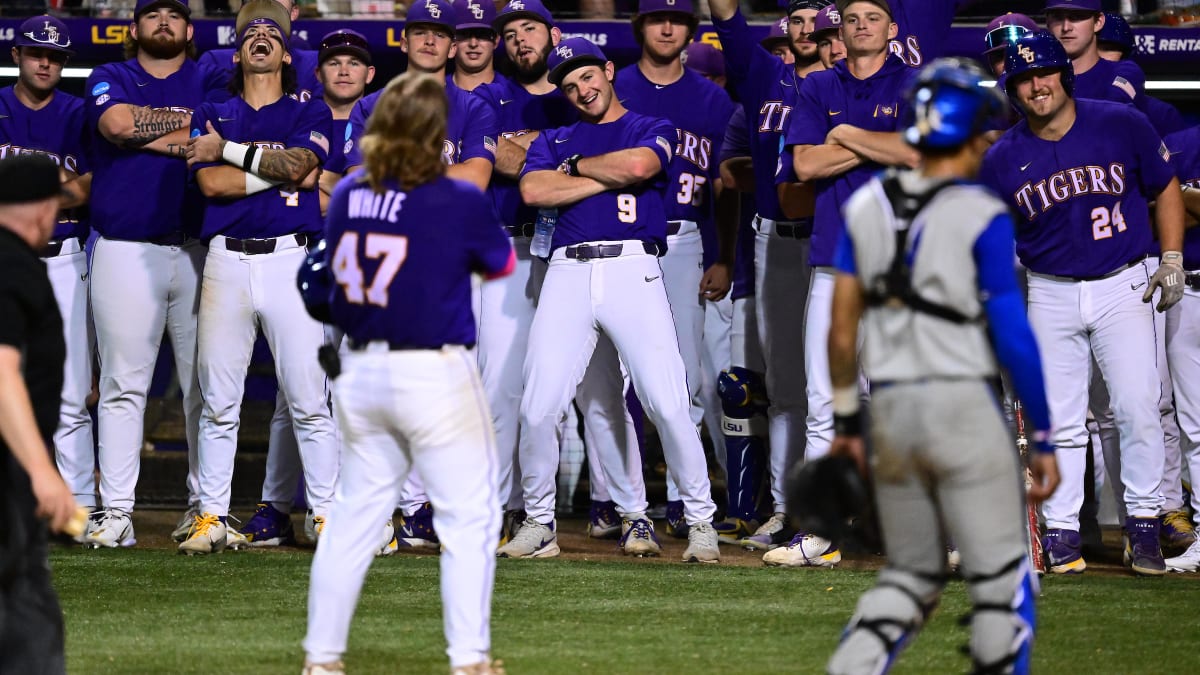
x,y
1169,277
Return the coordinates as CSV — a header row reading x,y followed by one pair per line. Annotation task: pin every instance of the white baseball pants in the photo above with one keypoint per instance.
x,y
1106,318
138,291
74,450
716,357
240,294
1183,336
625,298
400,412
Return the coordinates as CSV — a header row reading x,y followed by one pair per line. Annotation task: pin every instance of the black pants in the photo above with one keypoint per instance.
x,y
31,623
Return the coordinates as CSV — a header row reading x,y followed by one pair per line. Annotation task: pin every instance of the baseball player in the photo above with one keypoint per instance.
x,y
410,397
345,70
925,264
475,44
256,157
37,118
766,87
777,41
1001,31
33,496
1076,24
1084,234
147,263
304,59
921,27
1115,42
843,129
604,174
827,35
695,273
1183,327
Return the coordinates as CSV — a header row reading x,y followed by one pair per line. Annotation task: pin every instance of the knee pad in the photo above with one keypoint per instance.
x,y
1002,619
743,402
888,617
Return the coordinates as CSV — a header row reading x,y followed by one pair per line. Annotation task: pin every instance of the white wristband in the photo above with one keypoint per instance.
x,y
256,184
845,400
235,153
1171,258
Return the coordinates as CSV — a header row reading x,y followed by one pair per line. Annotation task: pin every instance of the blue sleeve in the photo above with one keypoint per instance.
x,y
843,254
1008,325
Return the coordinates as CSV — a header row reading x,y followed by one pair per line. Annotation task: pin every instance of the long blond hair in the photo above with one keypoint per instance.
x,y
403,139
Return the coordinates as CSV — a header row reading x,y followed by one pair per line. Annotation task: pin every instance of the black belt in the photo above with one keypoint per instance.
x,y
585,252
170,239
789,230
517,231
358,346
1108,275
673,227
261,246
55,246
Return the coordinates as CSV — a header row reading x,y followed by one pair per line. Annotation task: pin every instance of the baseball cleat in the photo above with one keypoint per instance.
x,y
638,538
110,528
676,525
510,524
1189,561
488,667
332,668
313,525
804,550
734,530
390,544
533,540
208,535
702,544
1176,531
1063,551
416,530
1142,552
603,520
268,527
185,523
770,535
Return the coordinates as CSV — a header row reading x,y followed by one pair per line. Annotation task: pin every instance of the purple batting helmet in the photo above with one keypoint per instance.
x,y
344,41
1007,28
1081,5
1116,32
705,59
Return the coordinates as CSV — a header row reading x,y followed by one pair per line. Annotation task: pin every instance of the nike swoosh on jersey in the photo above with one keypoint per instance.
x,y
834,113
1026,166
504,102
784,83
561,140
226,119
142,84
659,86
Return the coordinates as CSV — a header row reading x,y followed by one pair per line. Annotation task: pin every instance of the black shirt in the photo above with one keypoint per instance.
x,y
30,322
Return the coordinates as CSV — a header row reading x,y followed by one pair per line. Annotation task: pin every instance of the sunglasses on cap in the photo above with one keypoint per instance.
x,y
1001,37
340,40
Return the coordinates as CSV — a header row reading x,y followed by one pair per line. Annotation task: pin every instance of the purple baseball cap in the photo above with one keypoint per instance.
x,y
570,54
344,41
828,20
46,32
796,5
1081,5
705,59
657,6
882,4
144,6
522,9
432,12
1007,28
777,33
475,14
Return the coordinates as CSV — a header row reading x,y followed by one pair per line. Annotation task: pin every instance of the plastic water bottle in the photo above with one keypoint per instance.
x,y
543,232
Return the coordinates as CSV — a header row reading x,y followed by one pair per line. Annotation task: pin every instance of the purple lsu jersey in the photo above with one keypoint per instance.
x,y
403,260
766,86
1116,81
1185,159
831,98
631,212
923,25
55,130
341,141
470,128
166,202
286,123
518,113
700,111
308,87
1080,202
737,144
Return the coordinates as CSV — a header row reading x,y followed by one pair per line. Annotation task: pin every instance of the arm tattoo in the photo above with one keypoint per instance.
x,y
290,165
149,124
177,150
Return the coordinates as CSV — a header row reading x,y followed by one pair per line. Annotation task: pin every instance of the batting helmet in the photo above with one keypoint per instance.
x,y
948,104
1005,29
1117,33
315,281
1037,51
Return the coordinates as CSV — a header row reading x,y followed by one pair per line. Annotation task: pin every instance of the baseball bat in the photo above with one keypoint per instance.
x,y
1036,555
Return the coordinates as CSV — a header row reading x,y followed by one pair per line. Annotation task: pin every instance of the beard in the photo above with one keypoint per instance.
x,y
528,73
163,45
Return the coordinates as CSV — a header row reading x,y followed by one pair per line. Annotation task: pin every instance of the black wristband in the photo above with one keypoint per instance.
x,y
573,164
848,425
248,160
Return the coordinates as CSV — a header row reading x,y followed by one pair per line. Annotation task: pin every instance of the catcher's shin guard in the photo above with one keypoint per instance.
x,y
1002,619
744,423
888,617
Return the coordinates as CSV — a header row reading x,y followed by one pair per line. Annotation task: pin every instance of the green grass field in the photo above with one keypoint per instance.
x,y
151,611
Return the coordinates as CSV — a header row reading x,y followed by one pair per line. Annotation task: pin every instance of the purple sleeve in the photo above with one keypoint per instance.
x,y
658,137
809,124
104,89
746,62
541,155
737,136
490,249
313,130
482,128
358,124
1155,160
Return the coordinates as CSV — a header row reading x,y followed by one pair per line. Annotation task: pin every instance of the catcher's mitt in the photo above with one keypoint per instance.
x,y
828,497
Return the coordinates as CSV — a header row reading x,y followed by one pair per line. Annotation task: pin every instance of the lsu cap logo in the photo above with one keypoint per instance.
x,y
434,10
476,9
1026,53
564,51
516,5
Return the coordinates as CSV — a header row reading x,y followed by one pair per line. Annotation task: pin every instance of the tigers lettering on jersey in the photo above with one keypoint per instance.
x,y
1037,198
693,148
773,117
70,163
909,50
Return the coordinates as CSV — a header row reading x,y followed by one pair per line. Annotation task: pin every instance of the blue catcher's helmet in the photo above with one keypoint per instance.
x,y
1037,51
315,281
1116,32
948,104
